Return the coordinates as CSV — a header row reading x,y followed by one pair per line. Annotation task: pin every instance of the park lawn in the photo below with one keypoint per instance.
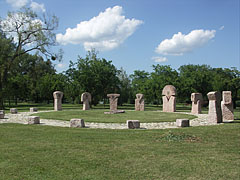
x,y
100,117
55,153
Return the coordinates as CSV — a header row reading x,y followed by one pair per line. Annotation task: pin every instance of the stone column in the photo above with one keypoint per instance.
x,y
86,98
113,98
169,99
227,105
57,100
196,99
139,102
214,112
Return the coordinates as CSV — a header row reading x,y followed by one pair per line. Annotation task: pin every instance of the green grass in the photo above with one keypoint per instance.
x,y
51,153
99,116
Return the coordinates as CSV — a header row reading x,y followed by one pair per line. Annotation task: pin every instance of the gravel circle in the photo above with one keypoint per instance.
x,y
22,118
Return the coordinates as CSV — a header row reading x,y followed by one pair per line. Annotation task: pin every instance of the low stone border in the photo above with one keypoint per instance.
x,y
22,118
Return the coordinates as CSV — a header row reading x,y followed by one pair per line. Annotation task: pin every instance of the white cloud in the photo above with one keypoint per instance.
x,y
104,32
181,43
37,7
159,59
33,5
221,28
17,3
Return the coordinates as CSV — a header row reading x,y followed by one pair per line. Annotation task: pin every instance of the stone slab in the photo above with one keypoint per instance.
x,y
13,111
133,124
182,122
33,120
33,109
2,116
77,123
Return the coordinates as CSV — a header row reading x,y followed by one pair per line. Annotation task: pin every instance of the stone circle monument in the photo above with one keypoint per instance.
x,y
196,99
58,100
214,112
86,98
227,106
139,102
169,99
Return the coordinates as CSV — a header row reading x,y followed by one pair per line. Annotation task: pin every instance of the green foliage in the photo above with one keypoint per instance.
x,y
94,75
23,32
194,78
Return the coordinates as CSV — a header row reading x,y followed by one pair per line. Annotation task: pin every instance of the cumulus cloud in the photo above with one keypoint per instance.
x,y
159,59
17,3
181,43
104,32
37,7
33,5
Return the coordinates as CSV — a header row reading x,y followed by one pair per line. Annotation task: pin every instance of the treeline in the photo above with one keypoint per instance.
x,y
33,79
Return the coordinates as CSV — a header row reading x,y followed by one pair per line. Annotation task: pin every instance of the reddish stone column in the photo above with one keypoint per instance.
x,y
169,99
214,112
196,99
139,102
86,98
227,105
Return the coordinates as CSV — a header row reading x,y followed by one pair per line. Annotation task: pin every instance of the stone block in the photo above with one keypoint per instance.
x,y
169,105
33,109
139,102
113,99
182,123
227,97
13,111
214,112
33,120
196,99
58,100
227,106
133,124
169,99
2,115
77,123
2,111
86,99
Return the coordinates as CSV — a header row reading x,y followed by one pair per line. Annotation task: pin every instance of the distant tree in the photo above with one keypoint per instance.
x,y
125,88
94,75
194,78
160,77
227,80
27,32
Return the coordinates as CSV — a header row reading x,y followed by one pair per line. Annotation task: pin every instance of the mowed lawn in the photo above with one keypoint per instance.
x,y
54,153
99,116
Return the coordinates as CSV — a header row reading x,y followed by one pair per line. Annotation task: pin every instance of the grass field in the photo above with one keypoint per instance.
x,y
100,117
39,152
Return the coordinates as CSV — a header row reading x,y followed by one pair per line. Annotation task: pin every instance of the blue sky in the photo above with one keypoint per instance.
x,y
137,34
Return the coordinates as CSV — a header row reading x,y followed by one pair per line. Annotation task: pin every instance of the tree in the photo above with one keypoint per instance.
x,y
27,32
94,75
160,77
125,88
227,80
195,78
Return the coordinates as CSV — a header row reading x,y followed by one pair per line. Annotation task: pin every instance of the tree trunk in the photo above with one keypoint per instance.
x,y
1,94
16,101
